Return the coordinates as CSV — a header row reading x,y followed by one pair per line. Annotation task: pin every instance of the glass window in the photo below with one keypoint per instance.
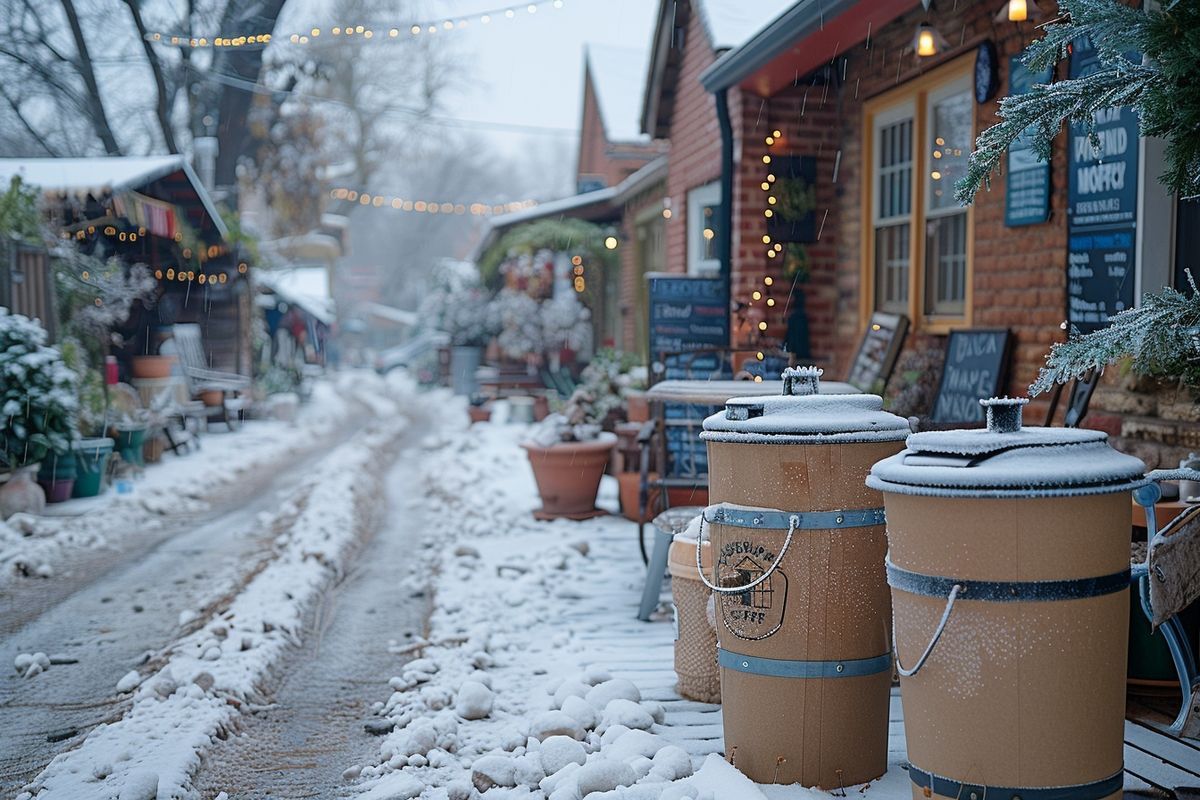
x,y
950,137
704,229
893,213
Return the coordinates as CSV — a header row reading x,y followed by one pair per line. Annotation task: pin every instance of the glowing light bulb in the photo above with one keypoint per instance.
x,y
610,242
768,280
756,295
1018,11
766,159
762,326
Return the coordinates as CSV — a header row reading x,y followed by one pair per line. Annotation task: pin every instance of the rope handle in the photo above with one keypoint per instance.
x,y
937,634
793,523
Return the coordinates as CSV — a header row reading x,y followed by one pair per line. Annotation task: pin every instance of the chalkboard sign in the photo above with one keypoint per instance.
x,y
1027,179
687,314
1101,208
876,357
976,367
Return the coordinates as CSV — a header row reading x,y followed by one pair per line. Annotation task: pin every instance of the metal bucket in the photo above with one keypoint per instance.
x,y
1009,580
803,607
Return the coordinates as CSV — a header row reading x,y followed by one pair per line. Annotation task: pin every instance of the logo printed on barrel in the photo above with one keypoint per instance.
x,y
757,612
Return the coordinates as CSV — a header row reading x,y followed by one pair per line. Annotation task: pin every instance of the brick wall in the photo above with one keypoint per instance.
x,y
695,154
613,162
1021,287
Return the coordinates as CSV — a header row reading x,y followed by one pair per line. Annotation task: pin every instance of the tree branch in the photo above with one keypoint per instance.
x,y
95,104
162,110
37,137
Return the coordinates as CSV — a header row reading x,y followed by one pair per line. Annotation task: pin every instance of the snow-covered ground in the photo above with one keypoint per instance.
x,y
508,698
40,546
193,690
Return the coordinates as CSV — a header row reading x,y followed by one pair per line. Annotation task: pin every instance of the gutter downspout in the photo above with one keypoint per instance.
x,y
726,241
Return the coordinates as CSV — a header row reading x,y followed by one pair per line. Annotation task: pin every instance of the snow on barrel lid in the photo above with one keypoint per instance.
x,y
1007,460
801,415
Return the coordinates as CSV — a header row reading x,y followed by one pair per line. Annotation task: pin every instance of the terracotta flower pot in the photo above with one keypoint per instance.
x,y
637,407
21,494
630,485
480,413
155,367
568,476
212,397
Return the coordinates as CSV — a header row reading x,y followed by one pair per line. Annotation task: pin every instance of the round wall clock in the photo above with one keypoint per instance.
x,y
987,77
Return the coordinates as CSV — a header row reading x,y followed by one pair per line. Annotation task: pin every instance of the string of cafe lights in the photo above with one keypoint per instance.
x,y
356,32
428,206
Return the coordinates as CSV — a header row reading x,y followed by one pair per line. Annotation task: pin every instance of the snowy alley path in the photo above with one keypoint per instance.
x,y
321,694
130,607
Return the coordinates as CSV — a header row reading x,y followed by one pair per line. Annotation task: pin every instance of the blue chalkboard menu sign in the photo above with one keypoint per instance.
x,y
1027,179
1101,208
976,367
689,324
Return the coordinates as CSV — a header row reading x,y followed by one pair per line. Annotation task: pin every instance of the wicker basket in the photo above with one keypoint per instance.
x,y
695,640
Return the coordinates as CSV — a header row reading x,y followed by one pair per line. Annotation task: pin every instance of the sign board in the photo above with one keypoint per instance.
x,y
1027,179
976,367
687,314
1101,208
876,357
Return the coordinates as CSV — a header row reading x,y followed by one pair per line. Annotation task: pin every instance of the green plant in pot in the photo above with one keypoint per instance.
x,y
569,452
38,407
92,452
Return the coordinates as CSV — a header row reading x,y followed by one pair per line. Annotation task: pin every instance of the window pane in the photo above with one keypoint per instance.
x,y
709,220
894,193
891,267
946,264
950,131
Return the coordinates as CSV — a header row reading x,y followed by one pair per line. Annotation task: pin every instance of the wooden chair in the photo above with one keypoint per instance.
x,y
1078,399
1168,581
186,343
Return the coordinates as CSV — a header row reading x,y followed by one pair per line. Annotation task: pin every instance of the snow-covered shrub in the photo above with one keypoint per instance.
x,y
517,319
38,402
457,304
566,323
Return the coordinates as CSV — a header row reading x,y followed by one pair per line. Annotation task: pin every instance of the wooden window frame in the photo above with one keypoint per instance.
x,y
913,95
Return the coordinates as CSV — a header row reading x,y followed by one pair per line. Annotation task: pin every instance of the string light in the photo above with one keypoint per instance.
x,y
313,34
476,209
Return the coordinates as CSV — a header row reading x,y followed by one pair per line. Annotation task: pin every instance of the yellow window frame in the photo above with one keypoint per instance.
x,y
914,93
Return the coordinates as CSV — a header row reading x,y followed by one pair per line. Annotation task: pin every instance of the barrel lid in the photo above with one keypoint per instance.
x,y
1007,460
802,415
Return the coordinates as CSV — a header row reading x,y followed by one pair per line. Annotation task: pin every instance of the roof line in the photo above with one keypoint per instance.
x,y
801,20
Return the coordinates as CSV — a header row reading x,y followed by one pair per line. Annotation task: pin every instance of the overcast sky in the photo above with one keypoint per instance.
x,y
529,70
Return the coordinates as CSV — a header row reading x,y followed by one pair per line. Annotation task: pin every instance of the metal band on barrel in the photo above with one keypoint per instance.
x,y
783,668
1006,591
948,787
770,519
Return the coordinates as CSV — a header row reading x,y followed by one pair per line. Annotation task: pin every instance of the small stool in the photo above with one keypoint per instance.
x,y
666,525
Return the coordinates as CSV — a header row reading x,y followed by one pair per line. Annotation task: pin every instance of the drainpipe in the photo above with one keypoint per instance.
x,y
726,241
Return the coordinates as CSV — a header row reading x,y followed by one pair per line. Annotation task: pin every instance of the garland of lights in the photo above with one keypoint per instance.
x,y
428,206
351,32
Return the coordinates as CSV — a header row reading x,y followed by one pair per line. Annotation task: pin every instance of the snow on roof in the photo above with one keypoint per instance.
x,y
732,22
81,175
307,287
618,78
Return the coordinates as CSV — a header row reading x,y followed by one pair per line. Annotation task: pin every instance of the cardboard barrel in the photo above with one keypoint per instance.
x,y
803,606
1009,569
695,636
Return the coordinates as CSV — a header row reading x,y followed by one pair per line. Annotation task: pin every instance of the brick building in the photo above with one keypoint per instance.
x,y
832,101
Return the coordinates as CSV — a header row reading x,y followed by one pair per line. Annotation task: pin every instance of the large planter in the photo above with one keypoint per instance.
x,y
20,494
91,462
463,363
568,476
129,442
155,367
57,476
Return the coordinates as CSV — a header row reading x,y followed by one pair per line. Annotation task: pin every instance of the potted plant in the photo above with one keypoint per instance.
x,y
91,452
456,304
514,316
38,405
569,452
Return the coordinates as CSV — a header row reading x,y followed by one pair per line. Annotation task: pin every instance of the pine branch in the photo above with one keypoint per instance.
x,y
1160,336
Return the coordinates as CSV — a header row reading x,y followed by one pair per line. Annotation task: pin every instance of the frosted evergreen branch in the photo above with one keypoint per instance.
x,y
1044,108
1160,336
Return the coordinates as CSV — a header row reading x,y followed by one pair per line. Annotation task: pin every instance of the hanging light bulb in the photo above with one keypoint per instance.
x,y
1019,11
927,41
